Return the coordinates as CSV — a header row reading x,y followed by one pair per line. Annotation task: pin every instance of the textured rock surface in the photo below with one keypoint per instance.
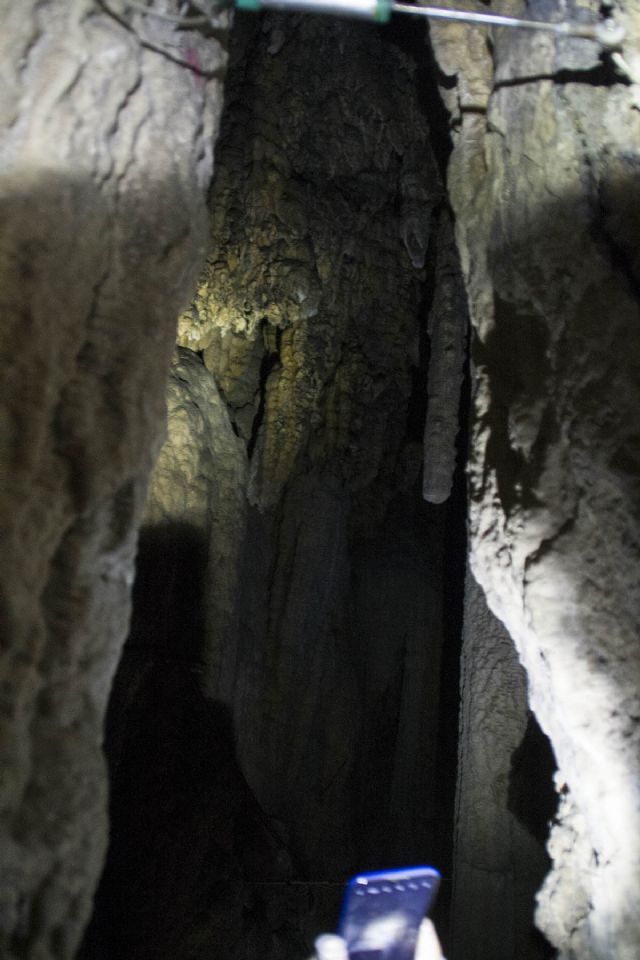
x,y
448,322
505,797
308,317
105,154
199,486
202,466
291,479
543,180
322,214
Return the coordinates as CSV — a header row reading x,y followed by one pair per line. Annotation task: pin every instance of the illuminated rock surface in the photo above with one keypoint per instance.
x,y
544,183
307,310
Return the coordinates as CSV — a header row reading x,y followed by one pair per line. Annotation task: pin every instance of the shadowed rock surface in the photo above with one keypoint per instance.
x,y
105,152
505,798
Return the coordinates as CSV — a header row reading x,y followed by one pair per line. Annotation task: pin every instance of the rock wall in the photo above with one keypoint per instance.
x,y
291,478
505,798
543,180
105,152
308,317
296,646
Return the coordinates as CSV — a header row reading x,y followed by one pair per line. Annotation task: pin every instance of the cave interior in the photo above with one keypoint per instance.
x,y
331,320
320,499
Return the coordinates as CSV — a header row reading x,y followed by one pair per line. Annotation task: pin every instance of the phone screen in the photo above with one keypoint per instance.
x,y
382,912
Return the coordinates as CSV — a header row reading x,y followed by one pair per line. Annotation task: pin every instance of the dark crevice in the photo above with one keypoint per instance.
x,y
475,111
450,517
620,258
417,406
413,39
532,797
454,568
270,360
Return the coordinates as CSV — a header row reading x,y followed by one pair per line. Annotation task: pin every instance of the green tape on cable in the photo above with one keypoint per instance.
x,y
377,10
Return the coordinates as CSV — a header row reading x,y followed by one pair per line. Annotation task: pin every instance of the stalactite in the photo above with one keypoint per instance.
x,y
447,330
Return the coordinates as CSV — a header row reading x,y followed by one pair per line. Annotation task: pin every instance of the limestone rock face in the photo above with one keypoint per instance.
x,y
105,153
322,213
200,444
290,477
199,486
543,180
308,317
504,797
448,327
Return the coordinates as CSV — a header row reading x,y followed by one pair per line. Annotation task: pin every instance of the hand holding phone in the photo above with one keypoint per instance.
x,y
331,947
382,915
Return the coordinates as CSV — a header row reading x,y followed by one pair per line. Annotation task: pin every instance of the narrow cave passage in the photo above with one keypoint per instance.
x,y
293,588
285,712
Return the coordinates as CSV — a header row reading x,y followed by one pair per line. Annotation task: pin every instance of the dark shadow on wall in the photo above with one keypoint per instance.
x,y
396,625
533,800
92,275
532,797
189,843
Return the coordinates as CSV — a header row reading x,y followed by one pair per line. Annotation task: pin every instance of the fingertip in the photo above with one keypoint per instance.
x,y
428,946
330,947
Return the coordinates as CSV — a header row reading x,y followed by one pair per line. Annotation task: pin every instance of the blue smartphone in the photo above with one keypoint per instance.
x,y
382,912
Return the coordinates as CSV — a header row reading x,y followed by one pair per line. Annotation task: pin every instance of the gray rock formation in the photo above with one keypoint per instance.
x,y
105,151
448,329
291,479
499,857
543,183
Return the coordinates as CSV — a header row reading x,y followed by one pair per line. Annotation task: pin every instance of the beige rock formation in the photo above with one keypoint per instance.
x,y
306,312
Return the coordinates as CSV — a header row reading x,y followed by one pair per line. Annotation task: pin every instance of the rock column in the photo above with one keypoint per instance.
x,y
107,122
